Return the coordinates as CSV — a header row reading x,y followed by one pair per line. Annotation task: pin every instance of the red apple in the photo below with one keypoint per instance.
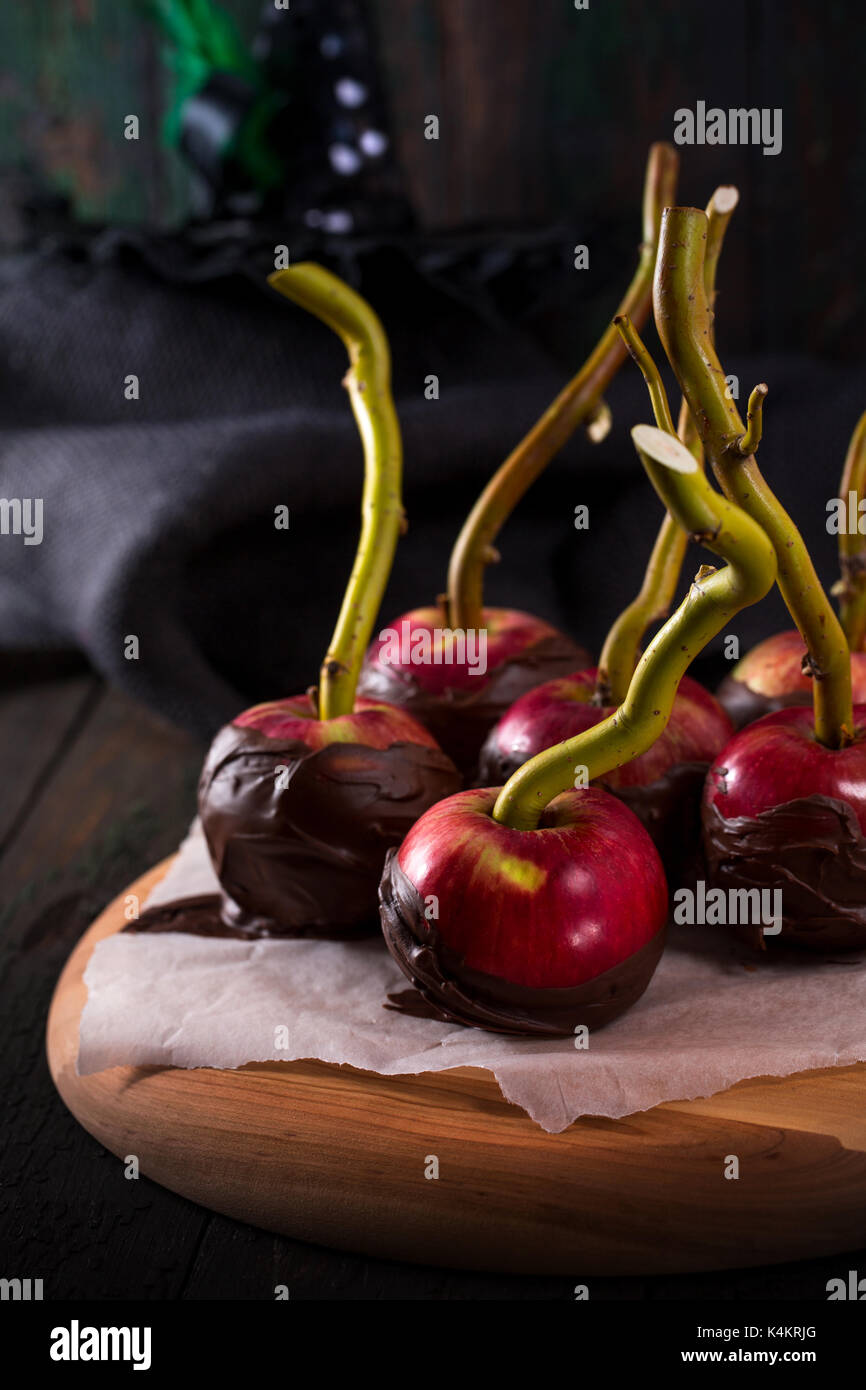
x,y
436,673
771,677
781,810
527,932
371,724
299,812
663,786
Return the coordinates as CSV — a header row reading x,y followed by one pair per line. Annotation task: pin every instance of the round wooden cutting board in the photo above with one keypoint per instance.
x,y
337,1156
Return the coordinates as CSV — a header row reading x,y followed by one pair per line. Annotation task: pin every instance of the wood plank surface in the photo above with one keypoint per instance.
x,y
89,777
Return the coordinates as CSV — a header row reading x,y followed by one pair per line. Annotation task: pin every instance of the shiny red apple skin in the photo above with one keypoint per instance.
x,y
460,707
782,811
697,730
509,633
371,724
551,908
771,677
778,759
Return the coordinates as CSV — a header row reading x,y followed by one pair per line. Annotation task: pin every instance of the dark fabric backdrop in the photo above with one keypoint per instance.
x,y
159,512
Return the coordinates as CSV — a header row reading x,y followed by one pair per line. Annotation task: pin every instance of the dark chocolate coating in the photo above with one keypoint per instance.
x,y
495,763
814,851
460,720
669,808
303,857
449,990
743,705
195,916
211,915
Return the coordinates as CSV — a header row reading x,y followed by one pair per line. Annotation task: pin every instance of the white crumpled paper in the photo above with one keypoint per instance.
x,y
711,1015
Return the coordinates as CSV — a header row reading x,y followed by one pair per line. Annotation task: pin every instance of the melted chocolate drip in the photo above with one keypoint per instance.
x,y
814,851
301,855
215,915
669,808
460,720
743,705
447,989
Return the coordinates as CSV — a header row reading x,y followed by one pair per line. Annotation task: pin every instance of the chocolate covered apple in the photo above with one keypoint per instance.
x,y
428,660
536,932
784,811
541,907
662,786
301,798
457,681
785,803
778,672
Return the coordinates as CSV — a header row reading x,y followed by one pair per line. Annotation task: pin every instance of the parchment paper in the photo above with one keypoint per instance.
x,y
712,1015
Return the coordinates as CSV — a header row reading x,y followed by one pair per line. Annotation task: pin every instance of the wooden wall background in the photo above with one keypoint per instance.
x,y
545,114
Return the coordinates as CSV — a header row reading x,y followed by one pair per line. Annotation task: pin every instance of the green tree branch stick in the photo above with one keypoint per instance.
x,y
851,588
577,402
683,323
754,421
720,210
368,382
622,645
714,598
687,432
642,358
621,649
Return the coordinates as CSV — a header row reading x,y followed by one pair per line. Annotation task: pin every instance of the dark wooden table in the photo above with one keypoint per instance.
x,y
96,789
